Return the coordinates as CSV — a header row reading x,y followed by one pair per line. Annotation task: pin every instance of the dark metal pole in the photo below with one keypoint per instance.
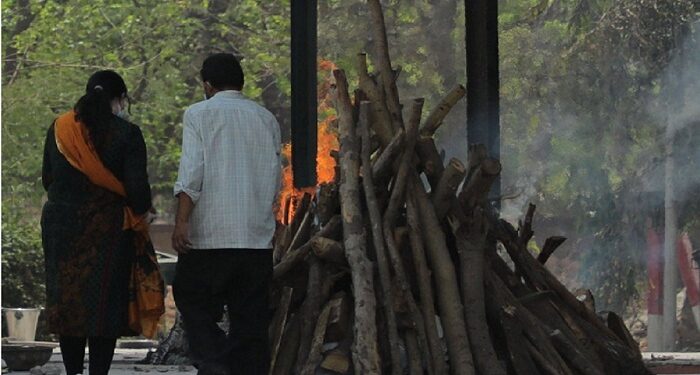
x,y
483,124
304,112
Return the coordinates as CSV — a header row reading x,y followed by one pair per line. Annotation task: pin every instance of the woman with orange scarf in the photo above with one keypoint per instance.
x,y
102,277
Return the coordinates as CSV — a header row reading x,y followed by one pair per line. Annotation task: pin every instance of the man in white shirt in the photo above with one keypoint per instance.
x,y
227,182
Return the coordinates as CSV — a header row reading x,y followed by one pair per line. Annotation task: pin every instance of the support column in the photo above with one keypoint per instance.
x,y
304,97
483,124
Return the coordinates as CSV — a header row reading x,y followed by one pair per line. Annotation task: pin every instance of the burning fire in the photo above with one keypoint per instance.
x,y
290,197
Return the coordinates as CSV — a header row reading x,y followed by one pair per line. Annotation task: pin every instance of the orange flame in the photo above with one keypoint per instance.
x,y
290,197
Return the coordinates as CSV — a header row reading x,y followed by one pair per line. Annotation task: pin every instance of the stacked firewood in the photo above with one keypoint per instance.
x,y
402,266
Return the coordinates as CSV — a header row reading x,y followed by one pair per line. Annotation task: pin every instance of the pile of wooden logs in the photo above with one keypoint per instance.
x,y
402,265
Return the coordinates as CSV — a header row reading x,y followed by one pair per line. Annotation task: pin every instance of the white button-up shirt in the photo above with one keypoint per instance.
x,y
230,167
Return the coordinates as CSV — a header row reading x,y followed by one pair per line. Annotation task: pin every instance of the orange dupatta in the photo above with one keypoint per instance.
x,y
146,289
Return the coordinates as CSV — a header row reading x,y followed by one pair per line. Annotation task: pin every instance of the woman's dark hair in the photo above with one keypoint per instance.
x,y
222,71
94,109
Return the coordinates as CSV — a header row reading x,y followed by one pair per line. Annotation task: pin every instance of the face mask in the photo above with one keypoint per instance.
x,y
123,114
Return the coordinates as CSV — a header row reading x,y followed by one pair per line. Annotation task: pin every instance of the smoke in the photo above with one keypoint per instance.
x,y
680,117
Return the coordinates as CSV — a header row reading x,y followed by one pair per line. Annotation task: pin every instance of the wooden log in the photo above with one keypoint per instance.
x,y
310,310
520,360
575,357
293,258
476,189
288,349
430,160
281,239
403,292
328,203
541,304
498,296
303,232
434,120
471,244
303,206
444,195
382,167
378,240
290,260
340,319
616,356
413,353
365,351
337,361
328,250
525,231
551,311
617,325
451,309
381,119
279,323
586,296
395,202
476,153
550,244
437,359
552,315
281,243
383,63
400,181
542,362
540,277
319,333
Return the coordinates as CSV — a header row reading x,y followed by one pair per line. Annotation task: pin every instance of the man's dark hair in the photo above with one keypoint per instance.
x,y
223,71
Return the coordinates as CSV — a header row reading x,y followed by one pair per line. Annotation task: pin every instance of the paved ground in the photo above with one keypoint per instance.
x,y
123,364
673,363
125,359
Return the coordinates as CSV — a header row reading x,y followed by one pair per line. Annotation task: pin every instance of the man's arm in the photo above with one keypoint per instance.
x,y
189,183
180,239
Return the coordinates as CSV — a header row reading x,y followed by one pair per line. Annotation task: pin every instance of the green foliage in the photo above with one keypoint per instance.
x,y
158,47
23,280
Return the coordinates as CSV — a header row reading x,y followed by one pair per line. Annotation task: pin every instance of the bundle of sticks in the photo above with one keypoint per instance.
x,y
402,265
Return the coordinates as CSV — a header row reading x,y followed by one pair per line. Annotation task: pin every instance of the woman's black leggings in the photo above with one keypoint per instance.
x,y
101,353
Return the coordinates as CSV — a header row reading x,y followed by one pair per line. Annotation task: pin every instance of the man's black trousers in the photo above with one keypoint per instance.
x,y
205,281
